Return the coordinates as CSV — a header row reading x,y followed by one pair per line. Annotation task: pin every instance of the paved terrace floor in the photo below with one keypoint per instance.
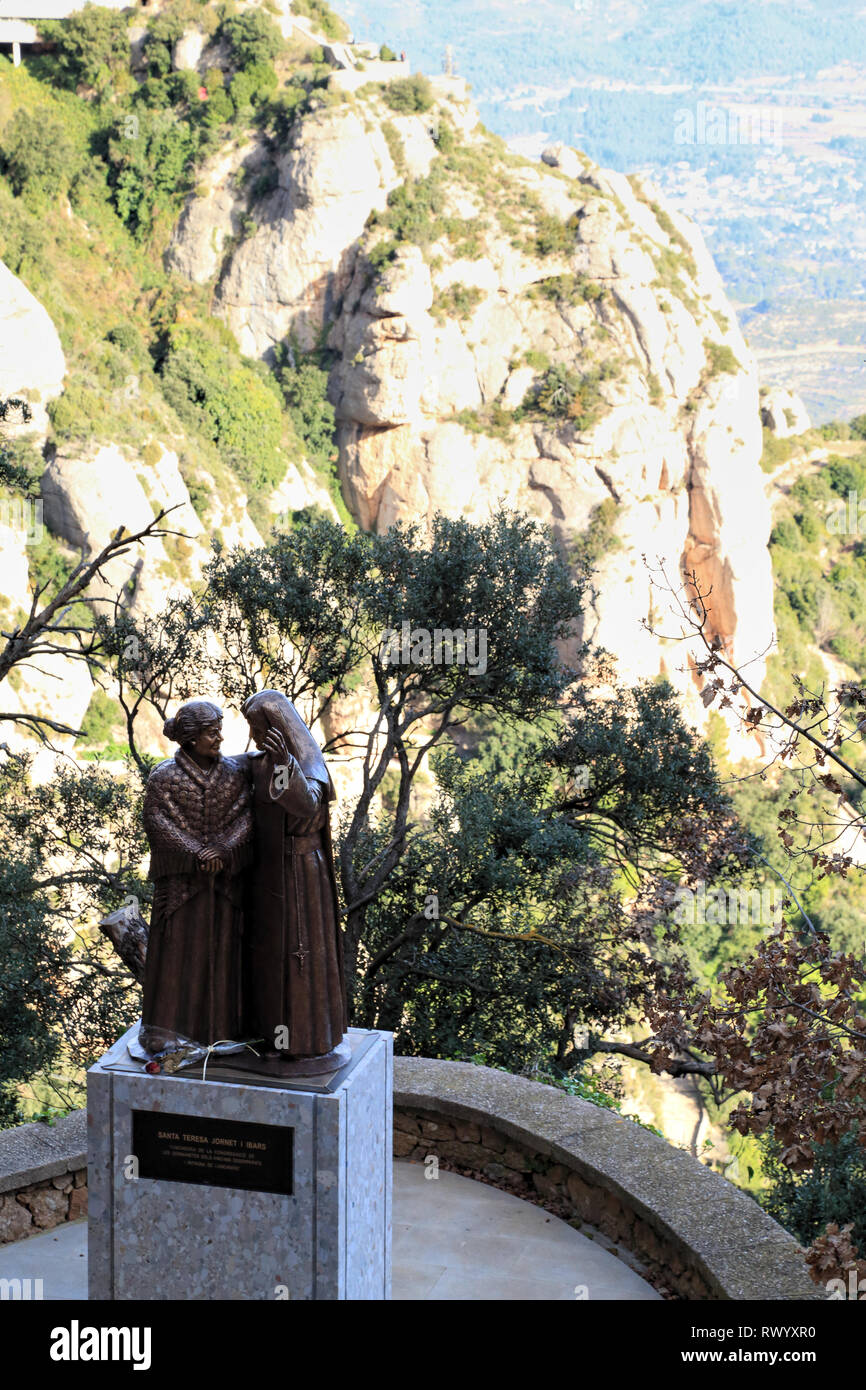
x,y
454,1239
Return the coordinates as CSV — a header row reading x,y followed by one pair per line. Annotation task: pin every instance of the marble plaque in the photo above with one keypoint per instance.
x,y
219,1153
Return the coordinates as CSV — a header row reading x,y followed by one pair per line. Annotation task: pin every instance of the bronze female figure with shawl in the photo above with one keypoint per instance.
x,y
294,991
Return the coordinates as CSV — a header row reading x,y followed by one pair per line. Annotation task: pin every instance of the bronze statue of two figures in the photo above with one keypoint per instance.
x,y
244,939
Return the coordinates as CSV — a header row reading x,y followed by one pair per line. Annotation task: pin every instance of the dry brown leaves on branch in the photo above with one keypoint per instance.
x,y
788,1030
834,1256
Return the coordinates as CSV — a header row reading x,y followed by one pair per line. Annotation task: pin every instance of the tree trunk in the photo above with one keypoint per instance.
x,y
127,931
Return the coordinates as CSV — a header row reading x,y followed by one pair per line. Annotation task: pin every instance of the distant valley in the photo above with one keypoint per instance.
x,y
749,116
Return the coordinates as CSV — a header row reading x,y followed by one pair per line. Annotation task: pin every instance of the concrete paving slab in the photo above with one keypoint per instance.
x,y
454,1239
458,1285
58,1258
414,1282
496,1246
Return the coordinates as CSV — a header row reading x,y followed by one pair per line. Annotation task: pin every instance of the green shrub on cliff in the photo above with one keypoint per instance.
x,y
252,86
553,237
151,158
324,18
211,387
565,394
409,94
568,289
721,359
253,37
305,387
163,32
413,210
90,48
458,301
40,157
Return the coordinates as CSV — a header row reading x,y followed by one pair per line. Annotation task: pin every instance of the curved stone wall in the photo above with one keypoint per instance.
x,y
686,1227
683,1226
43,1176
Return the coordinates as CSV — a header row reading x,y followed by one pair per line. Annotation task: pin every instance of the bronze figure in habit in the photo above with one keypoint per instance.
x,y
294,990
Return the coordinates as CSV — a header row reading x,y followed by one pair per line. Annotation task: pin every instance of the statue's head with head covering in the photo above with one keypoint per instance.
x,y
271,709
190,720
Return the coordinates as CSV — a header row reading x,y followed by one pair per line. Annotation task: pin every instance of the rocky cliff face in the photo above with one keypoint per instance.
x,y
289,276
437,350
677,441
544,335
32,364
783,412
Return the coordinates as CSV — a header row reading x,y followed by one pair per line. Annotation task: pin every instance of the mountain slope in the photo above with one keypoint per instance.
x,y
485,329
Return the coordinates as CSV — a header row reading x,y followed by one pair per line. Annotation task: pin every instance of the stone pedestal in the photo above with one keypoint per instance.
x,y
227,1188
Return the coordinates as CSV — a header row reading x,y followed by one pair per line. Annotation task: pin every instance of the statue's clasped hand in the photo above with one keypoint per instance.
x,y
209,861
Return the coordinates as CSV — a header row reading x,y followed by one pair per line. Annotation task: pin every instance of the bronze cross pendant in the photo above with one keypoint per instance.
x,y
301,955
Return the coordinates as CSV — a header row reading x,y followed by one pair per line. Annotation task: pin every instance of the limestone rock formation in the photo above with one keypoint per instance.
x,y
783,412
299,491
32,363
215,214
548,336
188,49
87,496
288,276
87,493
677,440
439,347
